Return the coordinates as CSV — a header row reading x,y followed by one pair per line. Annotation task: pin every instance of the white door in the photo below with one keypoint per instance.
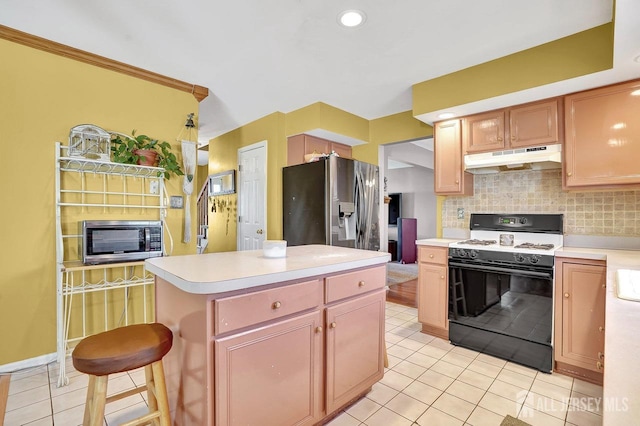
x,y
252,196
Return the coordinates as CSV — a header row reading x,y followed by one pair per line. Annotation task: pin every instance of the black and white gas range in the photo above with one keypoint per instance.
x,y
501,287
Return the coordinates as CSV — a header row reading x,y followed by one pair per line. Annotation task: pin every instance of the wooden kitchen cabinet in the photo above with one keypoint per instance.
x,y
316,344
602,143
355,343
433,291
262,368
531,124
300,145
449,175
580,291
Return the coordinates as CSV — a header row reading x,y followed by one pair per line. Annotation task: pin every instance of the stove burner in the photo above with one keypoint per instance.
x,y
535,246
478,242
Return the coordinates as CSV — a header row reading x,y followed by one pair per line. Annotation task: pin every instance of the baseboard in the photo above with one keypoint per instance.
x,y
28,363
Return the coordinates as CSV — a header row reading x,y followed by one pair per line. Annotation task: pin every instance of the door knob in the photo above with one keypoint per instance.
x,y
259,231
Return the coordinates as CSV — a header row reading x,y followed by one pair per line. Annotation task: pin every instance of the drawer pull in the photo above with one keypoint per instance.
x,y
599,365
361,284
600,356
566,295
333,325
318,329
276,305
601,328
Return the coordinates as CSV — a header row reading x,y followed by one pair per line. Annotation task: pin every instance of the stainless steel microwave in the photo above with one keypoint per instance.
x,y
108,241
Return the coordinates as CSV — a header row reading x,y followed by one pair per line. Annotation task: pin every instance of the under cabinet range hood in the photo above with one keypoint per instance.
x,y
532,158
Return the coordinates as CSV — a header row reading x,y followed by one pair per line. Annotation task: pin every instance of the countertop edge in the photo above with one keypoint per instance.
x,y
260,280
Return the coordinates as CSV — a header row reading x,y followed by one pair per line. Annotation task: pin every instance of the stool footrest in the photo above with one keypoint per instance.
x,y
125,394
142,420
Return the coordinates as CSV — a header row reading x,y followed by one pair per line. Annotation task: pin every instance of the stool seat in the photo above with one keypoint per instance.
x,y
119,350
122,349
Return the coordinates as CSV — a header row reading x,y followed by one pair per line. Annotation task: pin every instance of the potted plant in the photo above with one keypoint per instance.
x,y
144,151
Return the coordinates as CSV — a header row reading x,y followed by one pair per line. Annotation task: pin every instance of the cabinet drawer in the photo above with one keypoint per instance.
x,y
233,313
438,255
354,283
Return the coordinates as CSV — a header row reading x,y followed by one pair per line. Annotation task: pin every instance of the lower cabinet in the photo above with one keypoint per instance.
x,y
262,368
580,317
355,338
433,290
292,354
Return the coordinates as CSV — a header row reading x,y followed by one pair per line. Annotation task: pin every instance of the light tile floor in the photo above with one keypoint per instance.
x,y
428,382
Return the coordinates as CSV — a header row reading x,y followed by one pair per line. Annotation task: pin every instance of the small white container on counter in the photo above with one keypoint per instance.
x,y
274,248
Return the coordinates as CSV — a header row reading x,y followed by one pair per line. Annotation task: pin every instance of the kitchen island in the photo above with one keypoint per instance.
x,y
271,341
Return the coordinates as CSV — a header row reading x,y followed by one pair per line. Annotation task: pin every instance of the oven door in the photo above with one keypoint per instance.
x,y
503,311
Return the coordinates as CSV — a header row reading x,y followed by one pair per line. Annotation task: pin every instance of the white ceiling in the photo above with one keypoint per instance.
x,y
258,57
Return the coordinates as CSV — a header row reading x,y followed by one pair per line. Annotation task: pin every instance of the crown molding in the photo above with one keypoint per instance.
x,y
13,35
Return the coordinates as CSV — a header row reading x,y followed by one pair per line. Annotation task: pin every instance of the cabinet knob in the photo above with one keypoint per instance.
x,y
361,284
569,174
566,295
457,181
276,305
599,365
430,256
600,356
499,139
442,277
333,325
513,138
601,328
318,329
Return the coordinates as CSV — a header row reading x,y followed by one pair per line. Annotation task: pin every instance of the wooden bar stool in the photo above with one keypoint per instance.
x,y
124,349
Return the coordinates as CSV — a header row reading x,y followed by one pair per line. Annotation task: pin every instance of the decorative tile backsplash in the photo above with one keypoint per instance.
x,y
615,213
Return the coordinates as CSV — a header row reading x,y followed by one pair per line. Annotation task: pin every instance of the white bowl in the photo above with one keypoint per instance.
x,y
274,248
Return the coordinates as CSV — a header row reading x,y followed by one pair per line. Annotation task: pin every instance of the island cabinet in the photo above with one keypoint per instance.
x,y
602,142
433,290
580,291
300,145
449,175
532,124
293,353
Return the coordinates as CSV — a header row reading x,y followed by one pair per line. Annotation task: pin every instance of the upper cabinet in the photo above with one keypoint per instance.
x,y
602,142
300,145
450,178
533,124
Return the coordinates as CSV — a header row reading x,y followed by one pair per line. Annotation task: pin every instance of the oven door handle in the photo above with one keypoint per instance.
x,y
536,274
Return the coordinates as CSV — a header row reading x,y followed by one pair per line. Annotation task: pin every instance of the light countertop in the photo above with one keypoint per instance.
x,y
214,273
439,242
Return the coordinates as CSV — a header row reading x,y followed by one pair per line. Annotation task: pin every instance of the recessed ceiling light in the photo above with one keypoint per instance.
x,y
446,115
351,18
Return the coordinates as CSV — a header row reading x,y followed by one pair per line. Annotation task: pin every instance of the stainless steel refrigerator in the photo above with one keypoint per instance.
x,y
332,201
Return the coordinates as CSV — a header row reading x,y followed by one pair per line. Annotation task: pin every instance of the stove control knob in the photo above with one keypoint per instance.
x,y
519,257
462,253
534,258
473,254
523,220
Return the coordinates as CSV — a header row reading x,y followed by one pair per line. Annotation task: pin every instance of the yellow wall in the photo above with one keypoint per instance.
x,y
275,128
43,97
573,56
223,155
322,116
